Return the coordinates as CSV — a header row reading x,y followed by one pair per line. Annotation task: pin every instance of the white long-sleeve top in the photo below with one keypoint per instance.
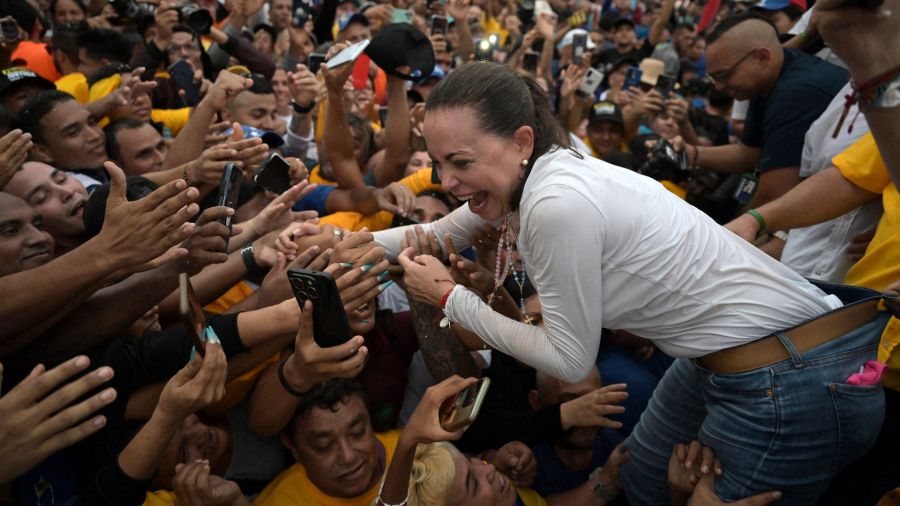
x,y
606,247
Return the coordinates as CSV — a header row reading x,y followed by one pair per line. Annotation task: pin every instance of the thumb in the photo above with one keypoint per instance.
x,y
188,371
116,185
305,330
237,132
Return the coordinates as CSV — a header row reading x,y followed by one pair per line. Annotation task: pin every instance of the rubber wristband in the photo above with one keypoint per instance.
x,y
759,219
285,384
446,297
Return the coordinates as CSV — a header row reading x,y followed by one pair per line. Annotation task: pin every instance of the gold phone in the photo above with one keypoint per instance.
x,y
465,407
191,313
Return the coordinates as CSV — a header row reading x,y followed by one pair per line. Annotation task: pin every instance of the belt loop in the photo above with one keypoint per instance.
x,y
792,351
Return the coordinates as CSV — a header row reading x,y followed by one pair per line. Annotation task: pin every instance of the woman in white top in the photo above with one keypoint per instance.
x,y
606,247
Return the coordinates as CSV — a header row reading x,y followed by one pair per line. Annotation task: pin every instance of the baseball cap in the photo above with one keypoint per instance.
x,y
402,44
347,18
605,110
622,22
16,76
652,69
777,5
271,139
436,74
567,39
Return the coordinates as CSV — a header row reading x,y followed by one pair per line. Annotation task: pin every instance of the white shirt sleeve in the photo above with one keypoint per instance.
x,y
560,229
459,225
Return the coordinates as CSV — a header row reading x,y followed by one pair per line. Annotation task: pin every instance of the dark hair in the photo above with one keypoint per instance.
x,y
326,395
34,110
793,11
261,85
112,130
109,70
437,195
7,120
685,26
735,19
273,33
504,101
79,3
24,13
100,43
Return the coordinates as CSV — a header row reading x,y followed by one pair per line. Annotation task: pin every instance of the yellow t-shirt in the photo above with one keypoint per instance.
x,y
235,294
160,498
863,166
530,497
293,487
174,119
75,84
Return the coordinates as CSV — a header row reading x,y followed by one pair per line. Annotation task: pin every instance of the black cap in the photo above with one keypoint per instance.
x,y
605,110
15,76
402,44
623,21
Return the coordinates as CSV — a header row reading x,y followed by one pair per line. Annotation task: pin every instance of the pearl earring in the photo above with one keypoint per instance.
x,y
524,162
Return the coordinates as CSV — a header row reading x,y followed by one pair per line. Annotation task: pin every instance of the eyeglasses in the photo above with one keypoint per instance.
x,y
189,48
723,75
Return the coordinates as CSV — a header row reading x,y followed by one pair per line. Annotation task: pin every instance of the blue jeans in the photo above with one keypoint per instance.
x,y
618,365
789,426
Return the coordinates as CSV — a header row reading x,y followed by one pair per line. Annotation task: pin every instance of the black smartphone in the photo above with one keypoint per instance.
x,y
229,189
183,75
579,45
191,314
439,25
435,177
484,51
9,28
314,62
330,324
274,174
530,62
665,84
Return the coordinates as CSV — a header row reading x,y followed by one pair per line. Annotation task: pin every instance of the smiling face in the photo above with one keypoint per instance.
x,y
54,195
338,448
474,165
72,139
477,483
195,440
23,242
141,150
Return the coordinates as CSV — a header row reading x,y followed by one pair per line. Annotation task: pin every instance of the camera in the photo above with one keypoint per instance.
x,y
132,10
663,162
484,50
196,18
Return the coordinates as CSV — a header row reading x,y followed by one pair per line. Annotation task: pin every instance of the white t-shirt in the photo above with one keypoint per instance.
x,y
607,247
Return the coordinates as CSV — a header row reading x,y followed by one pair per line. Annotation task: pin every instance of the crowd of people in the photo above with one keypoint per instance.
x,y
653,242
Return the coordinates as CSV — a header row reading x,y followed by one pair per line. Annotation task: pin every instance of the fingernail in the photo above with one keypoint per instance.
x,y
383,275
105,372
705,469
384,285
100,421
346,265
108,395
776,495
82,361
366,267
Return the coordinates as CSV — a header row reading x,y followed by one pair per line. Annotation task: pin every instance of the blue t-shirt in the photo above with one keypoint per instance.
x,y
777,123
315,199
554,477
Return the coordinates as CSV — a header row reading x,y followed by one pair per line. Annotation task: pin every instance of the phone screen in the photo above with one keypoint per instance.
x,y
632,77
274,174
183,75
438,25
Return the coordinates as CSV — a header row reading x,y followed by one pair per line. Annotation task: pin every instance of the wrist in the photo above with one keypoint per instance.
x,y
758,218
293,379
565,415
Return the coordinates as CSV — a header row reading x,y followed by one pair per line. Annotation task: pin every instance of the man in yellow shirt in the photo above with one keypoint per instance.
x,y
340,459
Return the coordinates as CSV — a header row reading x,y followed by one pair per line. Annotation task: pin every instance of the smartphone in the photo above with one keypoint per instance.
x,y
579,45
665,84
229,189
314,61
9,29
348,55
360,75
484,50
401,16
330,324
463,410
435,177
191,313
403,221
439,25
183,75
632,77
274,174
590,83
530,62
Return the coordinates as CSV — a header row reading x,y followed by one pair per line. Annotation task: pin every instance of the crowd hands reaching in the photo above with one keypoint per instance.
x,y
118,135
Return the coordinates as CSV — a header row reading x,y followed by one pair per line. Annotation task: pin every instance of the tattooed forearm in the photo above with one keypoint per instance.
x,y
444,354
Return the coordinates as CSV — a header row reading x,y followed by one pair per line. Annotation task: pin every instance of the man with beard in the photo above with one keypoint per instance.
x,y
568,460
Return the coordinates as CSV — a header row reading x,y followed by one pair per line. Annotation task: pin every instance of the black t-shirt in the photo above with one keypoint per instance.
x,y
777,123
608,57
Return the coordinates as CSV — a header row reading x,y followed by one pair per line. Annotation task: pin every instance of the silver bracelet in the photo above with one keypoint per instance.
x,y
381,501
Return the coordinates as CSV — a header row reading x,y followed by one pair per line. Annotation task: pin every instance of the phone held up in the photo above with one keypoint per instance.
x,y
274,174
191,314
463,410
330,324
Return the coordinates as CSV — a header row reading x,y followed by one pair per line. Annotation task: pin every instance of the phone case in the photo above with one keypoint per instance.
x,y
274,174
229,190
330,324
466,406
183,76
591,82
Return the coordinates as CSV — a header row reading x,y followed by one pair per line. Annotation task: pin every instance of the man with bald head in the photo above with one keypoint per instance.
x,y
787,89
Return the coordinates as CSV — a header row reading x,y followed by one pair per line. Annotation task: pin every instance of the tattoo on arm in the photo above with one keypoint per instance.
x,y
444,354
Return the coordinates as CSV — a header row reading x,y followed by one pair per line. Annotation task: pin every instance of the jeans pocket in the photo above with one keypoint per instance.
x,y
860,412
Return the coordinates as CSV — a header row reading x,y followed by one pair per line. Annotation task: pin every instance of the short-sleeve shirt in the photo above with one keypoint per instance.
x,y
612,55
777,123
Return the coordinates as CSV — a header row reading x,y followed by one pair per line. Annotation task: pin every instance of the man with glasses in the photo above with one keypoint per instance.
x,y
787,90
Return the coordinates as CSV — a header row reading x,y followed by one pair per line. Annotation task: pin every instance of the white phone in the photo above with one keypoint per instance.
x,y
590,83
348,55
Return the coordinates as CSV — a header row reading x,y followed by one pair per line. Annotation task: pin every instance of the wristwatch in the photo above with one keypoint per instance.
x,y
303,109
250,261
602,490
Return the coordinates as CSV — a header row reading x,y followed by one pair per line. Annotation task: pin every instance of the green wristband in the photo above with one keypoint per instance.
x,y
759,219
